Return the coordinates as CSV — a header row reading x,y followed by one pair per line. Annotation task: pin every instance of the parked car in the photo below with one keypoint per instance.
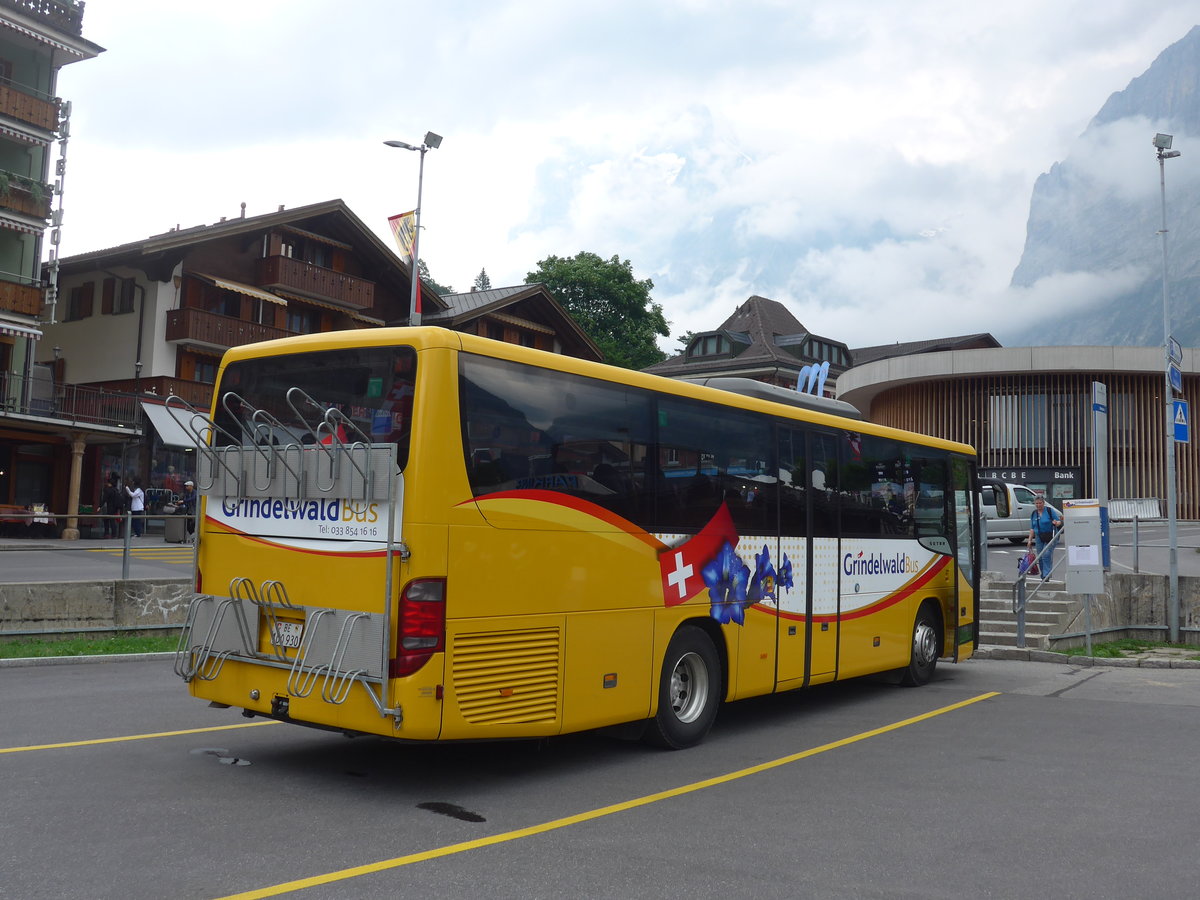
x,y
1007,508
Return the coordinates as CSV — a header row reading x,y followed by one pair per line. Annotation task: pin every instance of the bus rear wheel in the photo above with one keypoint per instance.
x,y
925,645
689,690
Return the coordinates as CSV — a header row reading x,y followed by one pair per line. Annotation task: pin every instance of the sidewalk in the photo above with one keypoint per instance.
x,y
1155,658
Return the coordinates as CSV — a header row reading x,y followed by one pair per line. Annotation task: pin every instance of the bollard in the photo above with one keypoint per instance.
x,y
128,538
1135,544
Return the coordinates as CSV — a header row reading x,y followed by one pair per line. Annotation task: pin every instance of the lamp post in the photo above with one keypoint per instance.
x,y
1162,143
430,142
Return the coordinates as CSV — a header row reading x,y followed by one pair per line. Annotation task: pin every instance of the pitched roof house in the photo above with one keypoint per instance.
x,y
762,340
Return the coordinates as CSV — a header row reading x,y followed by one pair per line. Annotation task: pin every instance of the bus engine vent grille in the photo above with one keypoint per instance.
x,y
507,677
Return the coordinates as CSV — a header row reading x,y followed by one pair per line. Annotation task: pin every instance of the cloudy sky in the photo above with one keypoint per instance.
x,y
867,163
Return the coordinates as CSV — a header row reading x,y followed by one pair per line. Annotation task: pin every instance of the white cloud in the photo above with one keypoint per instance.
x,y
862,163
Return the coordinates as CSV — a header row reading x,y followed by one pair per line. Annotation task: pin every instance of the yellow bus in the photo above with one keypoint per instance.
x,y
433,536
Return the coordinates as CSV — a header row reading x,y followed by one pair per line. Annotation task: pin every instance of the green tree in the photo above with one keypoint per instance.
x,y
423,270
685,339
610,305
482,282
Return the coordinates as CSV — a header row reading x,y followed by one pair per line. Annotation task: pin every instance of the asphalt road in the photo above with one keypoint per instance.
x,y
24,562
1068,782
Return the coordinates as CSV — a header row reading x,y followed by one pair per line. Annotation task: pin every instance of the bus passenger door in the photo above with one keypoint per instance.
x,y
807,618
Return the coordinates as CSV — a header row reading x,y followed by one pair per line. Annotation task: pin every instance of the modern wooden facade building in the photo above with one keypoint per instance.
x,y
1028,412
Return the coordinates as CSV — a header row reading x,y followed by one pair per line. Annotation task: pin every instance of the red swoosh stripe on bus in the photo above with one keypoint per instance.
x,y
579,505
922,578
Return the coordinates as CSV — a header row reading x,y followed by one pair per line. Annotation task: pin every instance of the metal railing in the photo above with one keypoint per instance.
x,y
1020,598
70,403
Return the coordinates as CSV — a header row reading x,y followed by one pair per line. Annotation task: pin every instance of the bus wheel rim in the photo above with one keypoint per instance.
x,y
689,687
924,644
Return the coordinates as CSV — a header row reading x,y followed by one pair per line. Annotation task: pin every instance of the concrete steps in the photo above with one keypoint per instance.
x,y
1047,611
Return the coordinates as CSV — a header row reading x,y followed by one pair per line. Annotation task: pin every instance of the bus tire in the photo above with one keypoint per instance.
x,y
689,691
924,647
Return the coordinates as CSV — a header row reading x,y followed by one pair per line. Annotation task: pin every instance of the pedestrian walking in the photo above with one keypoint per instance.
x,y
137,506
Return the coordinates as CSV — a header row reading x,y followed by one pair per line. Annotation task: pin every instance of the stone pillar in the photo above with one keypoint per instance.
x,y
71,532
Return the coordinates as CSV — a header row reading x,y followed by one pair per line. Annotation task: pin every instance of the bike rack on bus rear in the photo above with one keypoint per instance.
x,y
342,647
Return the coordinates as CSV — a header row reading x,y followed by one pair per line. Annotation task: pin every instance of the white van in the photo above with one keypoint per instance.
x,y
1007,508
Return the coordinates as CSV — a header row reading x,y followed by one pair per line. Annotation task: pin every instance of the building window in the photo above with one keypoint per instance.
x,y
123,301
495,331
79,302
709,345
301,321
206,370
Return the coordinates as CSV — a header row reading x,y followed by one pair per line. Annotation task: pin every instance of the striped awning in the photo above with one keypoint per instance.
x,y
354,314
24,136
520,323
12,329
238,287
17,225
29,32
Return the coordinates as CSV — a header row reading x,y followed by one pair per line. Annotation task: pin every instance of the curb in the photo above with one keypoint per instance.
x,y
1030,655
21,661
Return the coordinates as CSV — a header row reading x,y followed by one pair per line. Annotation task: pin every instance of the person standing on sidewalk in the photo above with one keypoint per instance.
x,y
187,506
1044,521
112,504
137,505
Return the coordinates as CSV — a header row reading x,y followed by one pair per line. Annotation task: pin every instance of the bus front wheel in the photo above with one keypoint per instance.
x,y
926,642
688,691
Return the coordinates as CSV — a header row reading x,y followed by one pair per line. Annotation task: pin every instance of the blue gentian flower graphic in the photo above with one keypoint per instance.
x,y
763,585
727,578
784,576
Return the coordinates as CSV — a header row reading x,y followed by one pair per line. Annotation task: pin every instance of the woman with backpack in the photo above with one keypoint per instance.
x,y
1044,521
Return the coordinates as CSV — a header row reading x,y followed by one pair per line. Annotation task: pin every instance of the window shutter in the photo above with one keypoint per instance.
x,y
89,294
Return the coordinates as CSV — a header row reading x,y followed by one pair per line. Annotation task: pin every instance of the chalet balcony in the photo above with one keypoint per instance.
x,y
24,107
20,298
197,393
315,281
25,195
205,329
73,404
65,15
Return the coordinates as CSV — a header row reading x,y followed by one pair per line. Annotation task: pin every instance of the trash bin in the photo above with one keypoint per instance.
x,y
175,529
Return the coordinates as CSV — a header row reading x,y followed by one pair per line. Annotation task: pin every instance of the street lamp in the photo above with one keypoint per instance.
x,y
431,142
1162,144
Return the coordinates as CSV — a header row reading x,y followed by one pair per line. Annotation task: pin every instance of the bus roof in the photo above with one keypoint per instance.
x,y
427,337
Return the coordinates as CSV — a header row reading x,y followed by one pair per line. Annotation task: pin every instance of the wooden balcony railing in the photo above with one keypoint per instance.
x,y
25,195
22,298
66,15
197,393
28,108
317,281
200,327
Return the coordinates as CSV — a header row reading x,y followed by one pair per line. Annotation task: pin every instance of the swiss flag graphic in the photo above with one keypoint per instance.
x,y
681,566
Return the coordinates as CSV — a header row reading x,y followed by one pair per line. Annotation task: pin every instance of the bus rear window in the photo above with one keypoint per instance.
x,y
370,386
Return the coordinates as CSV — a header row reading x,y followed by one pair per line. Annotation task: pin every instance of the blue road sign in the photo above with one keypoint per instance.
x,y
1174,350
1176,378
1181,422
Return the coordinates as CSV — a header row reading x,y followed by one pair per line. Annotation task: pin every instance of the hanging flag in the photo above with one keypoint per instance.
x,y
404,230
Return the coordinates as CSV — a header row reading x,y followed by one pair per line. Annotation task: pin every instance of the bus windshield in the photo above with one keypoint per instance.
x,y
372,387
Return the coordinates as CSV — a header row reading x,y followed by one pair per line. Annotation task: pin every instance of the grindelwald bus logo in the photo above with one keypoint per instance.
x,y
879,564
303,510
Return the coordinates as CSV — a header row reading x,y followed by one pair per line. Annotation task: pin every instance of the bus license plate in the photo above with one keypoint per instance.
x,y
287,634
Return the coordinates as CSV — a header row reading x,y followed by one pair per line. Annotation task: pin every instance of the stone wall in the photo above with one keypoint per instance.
x,y
93,605
1136,604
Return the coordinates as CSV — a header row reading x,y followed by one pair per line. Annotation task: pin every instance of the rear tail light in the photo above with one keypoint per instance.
x,y
421,630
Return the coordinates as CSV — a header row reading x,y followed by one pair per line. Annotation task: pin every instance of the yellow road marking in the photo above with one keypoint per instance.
x,y
135,737
554,825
